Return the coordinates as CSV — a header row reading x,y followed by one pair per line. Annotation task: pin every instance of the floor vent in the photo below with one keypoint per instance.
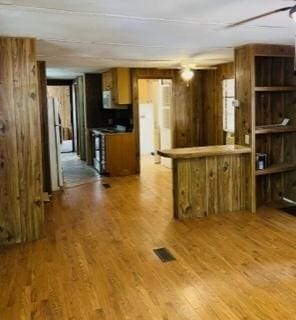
x,y
106,185
164,254
290,210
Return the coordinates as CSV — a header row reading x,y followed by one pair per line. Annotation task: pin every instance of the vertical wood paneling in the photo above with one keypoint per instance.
x,y
245,114
44,126
21,210
213,102
10,221
183,178
93,109
188,115
198,178
81,117
210,185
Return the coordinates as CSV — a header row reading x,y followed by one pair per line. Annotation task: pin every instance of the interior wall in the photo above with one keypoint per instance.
x,y
44,125
62,94
21,194
213,103
80,114
187,112
92,109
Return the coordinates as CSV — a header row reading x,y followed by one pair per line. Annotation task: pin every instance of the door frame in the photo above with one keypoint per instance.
x,y
150,74
66,83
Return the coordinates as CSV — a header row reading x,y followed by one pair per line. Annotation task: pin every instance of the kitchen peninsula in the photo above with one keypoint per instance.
x,y
210,180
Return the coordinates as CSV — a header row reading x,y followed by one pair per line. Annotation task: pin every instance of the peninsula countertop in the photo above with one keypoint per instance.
x,y
198,152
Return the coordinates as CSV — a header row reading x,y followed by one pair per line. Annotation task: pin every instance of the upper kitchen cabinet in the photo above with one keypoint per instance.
x,y
145,91
117,88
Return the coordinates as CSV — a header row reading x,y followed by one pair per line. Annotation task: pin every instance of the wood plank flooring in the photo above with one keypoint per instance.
x,y
97,261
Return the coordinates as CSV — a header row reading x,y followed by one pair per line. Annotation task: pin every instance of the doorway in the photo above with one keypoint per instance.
x,y
62,94
68,169
155,109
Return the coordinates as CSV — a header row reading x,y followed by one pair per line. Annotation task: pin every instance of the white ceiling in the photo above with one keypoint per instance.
x,y
76,36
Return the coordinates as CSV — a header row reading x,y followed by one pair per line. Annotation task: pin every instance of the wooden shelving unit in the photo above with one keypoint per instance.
x,y
269,99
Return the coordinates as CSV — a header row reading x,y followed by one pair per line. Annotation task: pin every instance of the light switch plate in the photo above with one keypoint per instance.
x,y
235,103
247,139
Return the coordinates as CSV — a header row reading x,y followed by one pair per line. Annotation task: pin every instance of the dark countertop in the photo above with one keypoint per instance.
x,y
106,131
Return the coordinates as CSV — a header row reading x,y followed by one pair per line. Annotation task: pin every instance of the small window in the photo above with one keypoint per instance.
x,y
228,108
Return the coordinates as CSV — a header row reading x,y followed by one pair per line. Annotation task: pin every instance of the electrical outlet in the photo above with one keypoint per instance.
x,y
235,103
247,139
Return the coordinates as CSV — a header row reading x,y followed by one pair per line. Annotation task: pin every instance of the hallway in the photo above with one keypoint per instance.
x,y
97,260
77,172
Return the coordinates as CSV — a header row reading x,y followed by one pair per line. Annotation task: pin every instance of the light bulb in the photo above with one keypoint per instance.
x,y
187,74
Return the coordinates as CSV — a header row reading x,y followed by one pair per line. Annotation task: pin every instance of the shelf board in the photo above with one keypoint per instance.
x,y
274,129
276,168
275,89
272,55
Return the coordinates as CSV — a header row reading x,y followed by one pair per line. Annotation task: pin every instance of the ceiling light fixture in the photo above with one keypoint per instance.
x,y
187,75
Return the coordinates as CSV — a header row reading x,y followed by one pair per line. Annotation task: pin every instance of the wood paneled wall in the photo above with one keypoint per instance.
x,y
187,107
44,126
213,103
188,112
92,103
21,205
80,114
210,185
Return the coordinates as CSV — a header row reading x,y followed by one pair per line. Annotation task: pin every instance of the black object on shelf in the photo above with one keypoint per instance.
x,y
261,161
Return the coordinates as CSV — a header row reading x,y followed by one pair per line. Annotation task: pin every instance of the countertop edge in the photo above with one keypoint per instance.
x,y
208,151
98,132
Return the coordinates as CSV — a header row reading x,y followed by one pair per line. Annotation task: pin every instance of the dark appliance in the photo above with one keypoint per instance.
x,y
99,152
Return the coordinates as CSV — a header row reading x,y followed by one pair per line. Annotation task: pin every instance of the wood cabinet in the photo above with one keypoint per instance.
x,y
145,91
114,153
107,80
120,154
118,81
266,89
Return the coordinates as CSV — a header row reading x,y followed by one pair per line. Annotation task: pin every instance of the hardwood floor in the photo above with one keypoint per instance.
x,y
97,261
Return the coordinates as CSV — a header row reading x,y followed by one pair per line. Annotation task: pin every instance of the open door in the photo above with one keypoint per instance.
x,y
54,128
155,107
165,119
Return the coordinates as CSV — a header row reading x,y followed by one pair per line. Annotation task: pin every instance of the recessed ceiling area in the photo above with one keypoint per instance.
x,y
92,35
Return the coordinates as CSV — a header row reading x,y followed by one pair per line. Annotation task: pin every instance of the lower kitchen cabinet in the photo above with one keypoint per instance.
x,y
114,153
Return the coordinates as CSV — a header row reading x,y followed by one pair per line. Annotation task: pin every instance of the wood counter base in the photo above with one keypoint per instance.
x,y
210,184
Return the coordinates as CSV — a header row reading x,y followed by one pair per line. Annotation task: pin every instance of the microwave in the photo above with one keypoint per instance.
x,y
108,102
